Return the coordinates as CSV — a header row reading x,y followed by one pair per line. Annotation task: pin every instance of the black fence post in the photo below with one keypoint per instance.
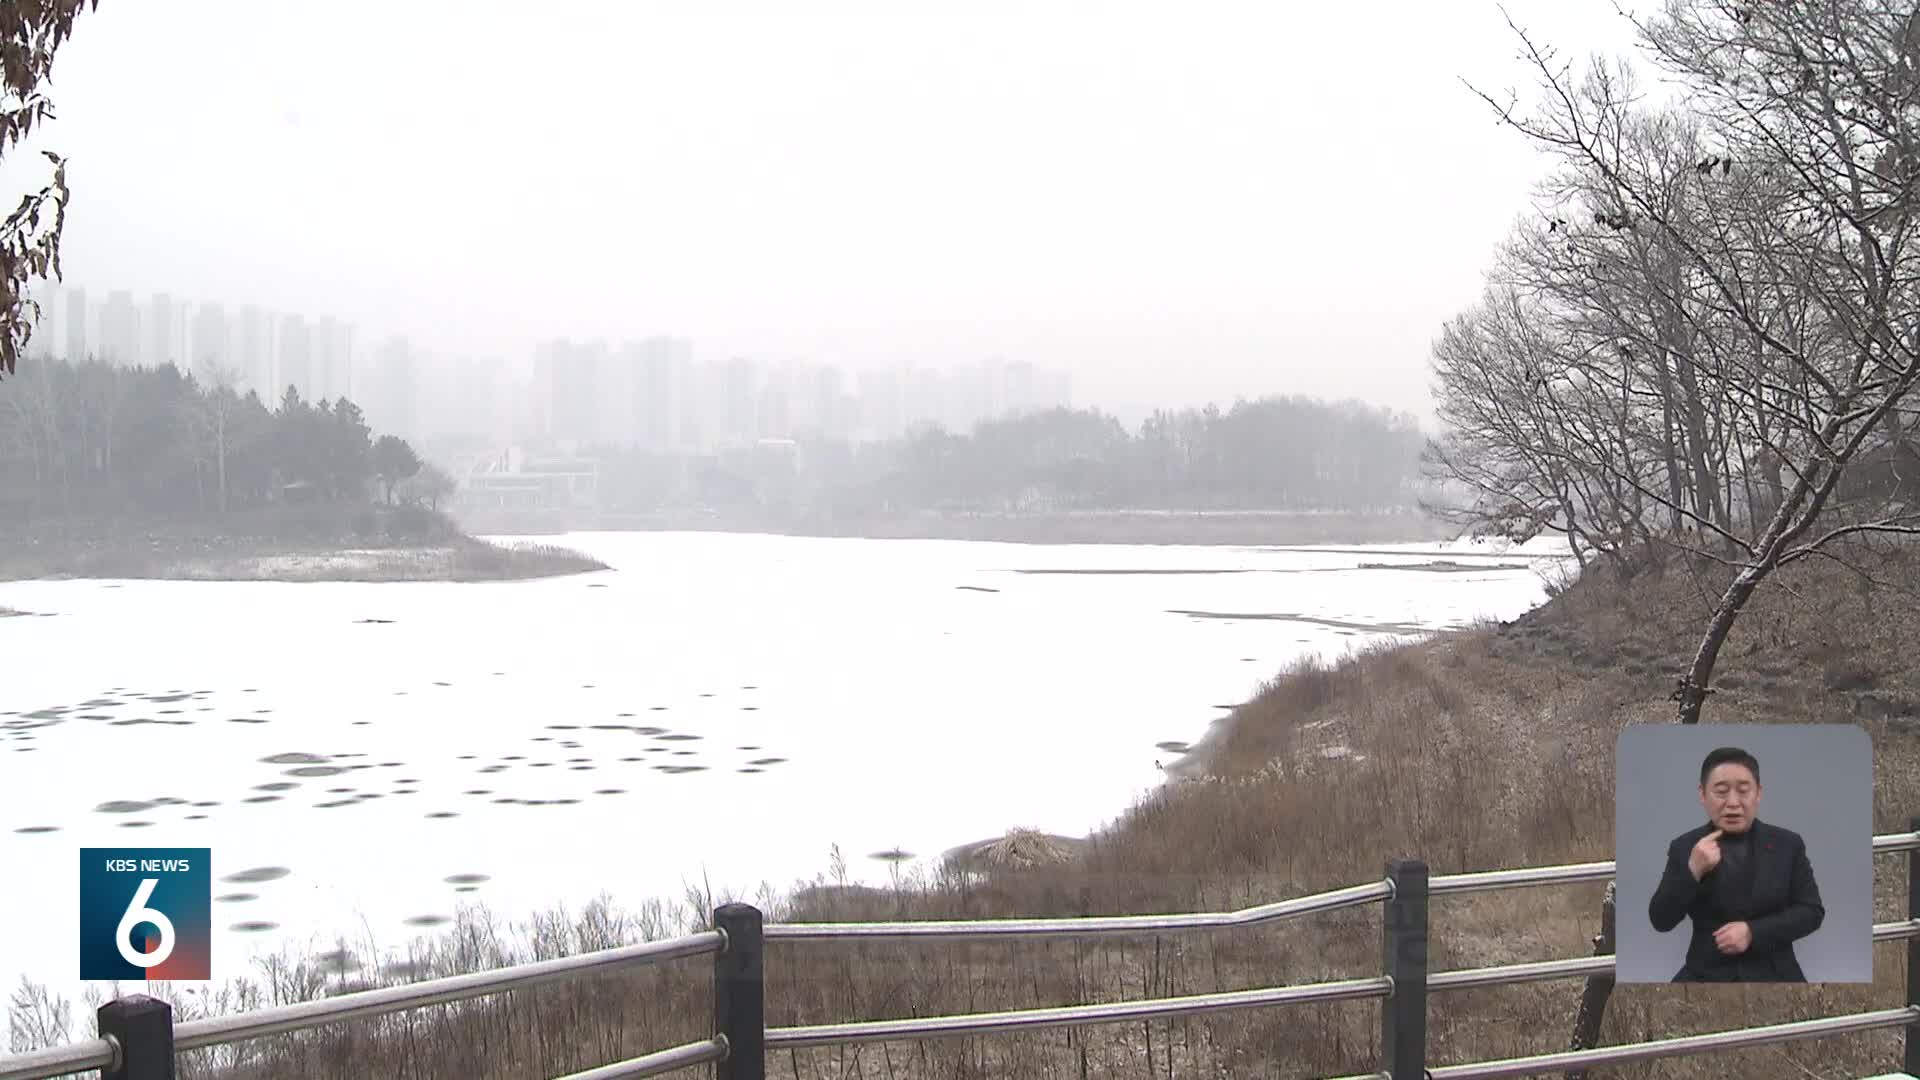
x,y
1403,1016
739,994
1911,1055
143,1027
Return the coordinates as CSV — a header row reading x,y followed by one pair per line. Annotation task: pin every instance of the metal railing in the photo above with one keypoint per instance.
x,y
137,1033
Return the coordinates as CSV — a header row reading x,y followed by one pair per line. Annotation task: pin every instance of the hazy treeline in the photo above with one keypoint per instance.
x,y
1274,453
96,439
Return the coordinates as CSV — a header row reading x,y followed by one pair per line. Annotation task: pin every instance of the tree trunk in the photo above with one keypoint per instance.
x,y
1593,999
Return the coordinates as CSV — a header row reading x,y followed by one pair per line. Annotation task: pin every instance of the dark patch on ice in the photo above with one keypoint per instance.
x,y
295,758
253,926
257,874
29,829
466,879
428,920
235,897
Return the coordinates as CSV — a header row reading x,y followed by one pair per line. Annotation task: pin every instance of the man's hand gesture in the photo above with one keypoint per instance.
x,y
1733,938
1705,855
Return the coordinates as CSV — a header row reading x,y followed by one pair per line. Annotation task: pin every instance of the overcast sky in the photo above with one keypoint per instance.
x,y
1177,201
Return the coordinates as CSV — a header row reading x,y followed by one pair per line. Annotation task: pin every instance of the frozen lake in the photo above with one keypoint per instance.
x,y
720,706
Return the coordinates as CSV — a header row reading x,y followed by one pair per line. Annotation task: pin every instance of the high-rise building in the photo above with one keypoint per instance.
x,y
43,343
332,353
77,342
294,361
120,330
569,373
253,355
880,401
776,405
392,389
660,405
1020,393
740,418
163,334
616,387
212,354
1059,390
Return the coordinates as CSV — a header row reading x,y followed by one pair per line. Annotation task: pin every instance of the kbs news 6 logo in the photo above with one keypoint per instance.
x,y
146,913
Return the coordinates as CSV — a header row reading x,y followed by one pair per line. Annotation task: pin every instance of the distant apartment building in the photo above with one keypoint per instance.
x,y
77,343
660,406
739,425
294,358
332,352
1020,392
164,334
44,342
391,389
253,354
775,418
212,350
880,405
569,375
120,330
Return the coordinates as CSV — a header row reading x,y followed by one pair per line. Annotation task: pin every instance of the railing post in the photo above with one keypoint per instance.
x,y
1403,1016
144,1028
739,994
1911,1055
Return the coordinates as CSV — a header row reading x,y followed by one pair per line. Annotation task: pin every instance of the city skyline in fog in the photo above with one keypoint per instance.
x,y
1173,207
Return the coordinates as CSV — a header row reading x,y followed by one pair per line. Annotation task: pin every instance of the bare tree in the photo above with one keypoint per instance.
x,y
1782,285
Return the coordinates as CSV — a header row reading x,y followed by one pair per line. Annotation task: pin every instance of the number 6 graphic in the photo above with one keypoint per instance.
x,y
137,913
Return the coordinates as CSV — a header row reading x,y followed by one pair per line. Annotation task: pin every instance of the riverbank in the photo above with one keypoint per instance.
x,y
307,544
1235,527
1480,749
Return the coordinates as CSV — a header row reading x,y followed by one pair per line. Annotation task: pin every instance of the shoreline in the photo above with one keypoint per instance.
x,y
1130,527
296,544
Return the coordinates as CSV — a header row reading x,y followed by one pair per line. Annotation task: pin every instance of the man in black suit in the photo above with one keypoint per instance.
x,y
1747,886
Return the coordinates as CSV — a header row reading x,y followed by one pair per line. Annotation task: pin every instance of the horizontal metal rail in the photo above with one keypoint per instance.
x,y
1511,974
1683,1046
216,1030
1889,843
658,1062
1524,877
988,929
73,1057
935,1027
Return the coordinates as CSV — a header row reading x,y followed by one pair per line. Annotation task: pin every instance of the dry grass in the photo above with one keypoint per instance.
x,y
1482,749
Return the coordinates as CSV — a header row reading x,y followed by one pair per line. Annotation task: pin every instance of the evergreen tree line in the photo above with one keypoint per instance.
x,y
96,439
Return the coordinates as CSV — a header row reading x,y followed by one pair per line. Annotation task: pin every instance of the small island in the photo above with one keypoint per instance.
x,y
333,544
112,472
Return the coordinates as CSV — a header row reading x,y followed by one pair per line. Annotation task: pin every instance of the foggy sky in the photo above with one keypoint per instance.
x,y
1176,202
